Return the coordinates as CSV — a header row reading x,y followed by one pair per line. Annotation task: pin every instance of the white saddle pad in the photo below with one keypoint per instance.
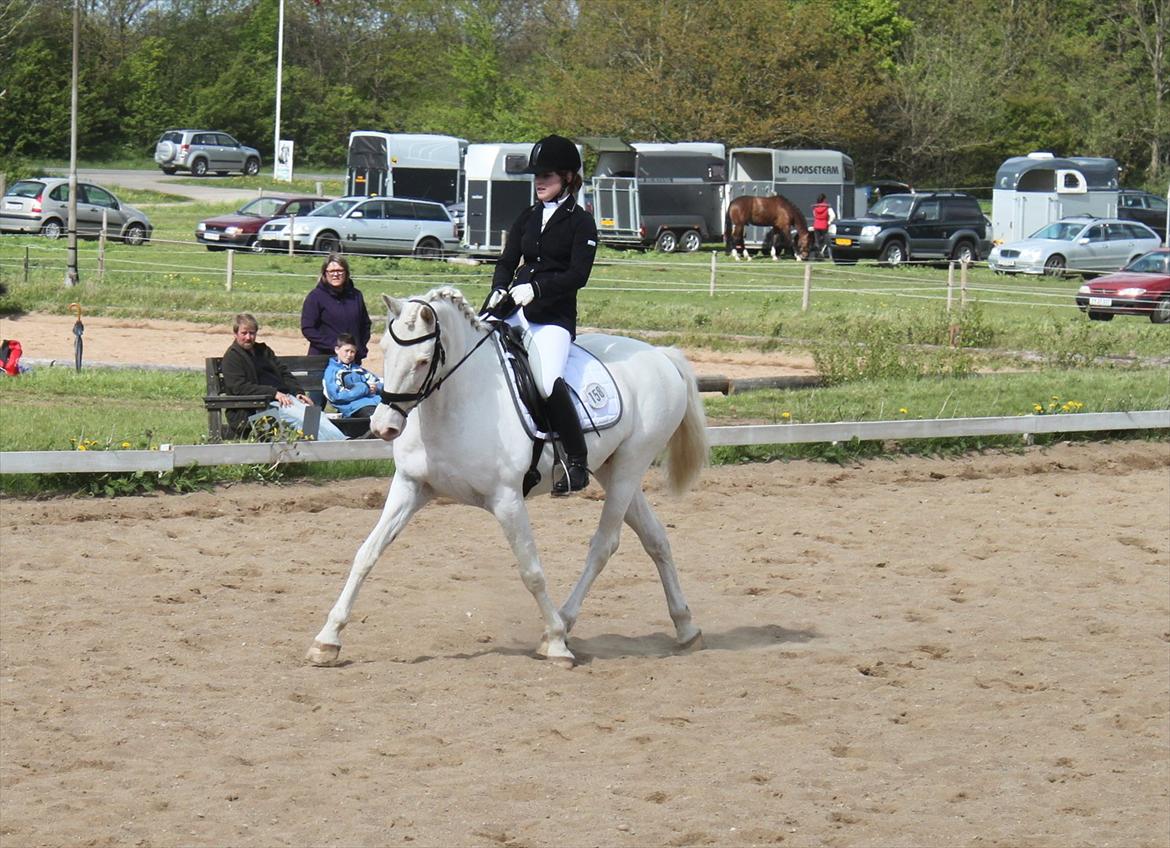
x,y
595,393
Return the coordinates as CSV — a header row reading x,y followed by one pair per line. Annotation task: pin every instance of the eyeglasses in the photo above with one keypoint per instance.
x,y
334,270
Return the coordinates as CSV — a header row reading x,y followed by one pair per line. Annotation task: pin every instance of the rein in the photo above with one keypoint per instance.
x,y
430,384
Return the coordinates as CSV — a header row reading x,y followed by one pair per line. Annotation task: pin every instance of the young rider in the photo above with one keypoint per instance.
x,y
556,239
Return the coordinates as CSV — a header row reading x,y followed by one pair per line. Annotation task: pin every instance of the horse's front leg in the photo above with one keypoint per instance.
x,y
406,497
510,511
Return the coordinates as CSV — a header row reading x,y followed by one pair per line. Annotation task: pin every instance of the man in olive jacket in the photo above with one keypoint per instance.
x,y
250,367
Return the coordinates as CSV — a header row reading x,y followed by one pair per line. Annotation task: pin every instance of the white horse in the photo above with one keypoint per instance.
x,y
467,443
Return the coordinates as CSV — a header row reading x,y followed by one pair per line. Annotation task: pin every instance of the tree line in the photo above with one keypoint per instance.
x,y
930,91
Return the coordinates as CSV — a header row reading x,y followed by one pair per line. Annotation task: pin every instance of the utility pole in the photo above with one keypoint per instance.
x,y
71,276
279,73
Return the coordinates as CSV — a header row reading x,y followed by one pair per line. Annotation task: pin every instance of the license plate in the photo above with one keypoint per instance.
x,y
1008,263
211,236
1100,301
843,242
12,204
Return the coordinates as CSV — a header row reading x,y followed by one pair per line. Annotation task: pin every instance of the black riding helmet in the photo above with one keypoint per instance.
x,y
553,153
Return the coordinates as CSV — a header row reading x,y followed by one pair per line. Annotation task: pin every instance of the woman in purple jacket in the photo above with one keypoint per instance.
x,y
333,307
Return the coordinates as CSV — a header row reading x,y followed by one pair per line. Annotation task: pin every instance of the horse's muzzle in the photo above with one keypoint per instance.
x,y
386,423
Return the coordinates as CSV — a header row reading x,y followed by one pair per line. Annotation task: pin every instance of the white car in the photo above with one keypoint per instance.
x,y
1080,243
379,225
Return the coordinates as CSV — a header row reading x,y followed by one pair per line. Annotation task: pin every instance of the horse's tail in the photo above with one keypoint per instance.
x,y
687,452
727,228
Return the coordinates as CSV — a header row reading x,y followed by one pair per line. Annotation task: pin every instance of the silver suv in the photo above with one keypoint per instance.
x,y
200,151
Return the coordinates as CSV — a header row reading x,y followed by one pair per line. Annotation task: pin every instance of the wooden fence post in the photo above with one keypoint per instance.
x,y
807,287
950,286
26,266
712,289
231,269
102,246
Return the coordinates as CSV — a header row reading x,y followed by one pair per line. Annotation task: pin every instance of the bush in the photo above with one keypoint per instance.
x,y
871,349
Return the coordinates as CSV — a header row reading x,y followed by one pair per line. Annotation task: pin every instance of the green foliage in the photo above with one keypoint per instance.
x,y
876,349
120,483
1072,342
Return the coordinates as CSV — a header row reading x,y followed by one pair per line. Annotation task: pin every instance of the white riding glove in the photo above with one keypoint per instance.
x,y
523,294
494,298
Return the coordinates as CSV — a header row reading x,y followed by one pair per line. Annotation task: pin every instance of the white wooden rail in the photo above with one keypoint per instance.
x,y
171,457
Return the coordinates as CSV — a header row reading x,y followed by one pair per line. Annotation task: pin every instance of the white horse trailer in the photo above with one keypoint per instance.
x,y
497,190
657,193
1035,190
798,175
415,165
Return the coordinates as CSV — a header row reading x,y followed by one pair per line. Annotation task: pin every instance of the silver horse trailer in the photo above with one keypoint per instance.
x,y
798,175
415,165
498,189
1035,190
662,194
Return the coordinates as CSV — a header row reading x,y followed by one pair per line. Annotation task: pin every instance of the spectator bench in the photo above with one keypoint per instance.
x,y
309,370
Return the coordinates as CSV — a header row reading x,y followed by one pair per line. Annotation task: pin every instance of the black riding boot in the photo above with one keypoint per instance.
x,y
563,417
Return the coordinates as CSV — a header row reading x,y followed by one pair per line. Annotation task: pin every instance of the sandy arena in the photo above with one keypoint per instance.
x,y
910,653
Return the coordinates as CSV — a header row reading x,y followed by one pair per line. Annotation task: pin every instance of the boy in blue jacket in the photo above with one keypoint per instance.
x,y
349,387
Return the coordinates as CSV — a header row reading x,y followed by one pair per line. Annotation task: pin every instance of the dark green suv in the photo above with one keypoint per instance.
x,y
903,227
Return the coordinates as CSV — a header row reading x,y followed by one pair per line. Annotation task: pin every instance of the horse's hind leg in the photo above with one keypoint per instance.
x,y
406,497
641,518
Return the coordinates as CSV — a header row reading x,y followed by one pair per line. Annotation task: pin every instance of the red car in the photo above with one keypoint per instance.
x,y
1140,288
239,229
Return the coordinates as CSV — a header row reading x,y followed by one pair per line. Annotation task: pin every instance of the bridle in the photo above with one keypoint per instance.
x,y
430,383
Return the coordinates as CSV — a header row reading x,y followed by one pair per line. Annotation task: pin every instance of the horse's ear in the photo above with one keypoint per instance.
x,y
394,305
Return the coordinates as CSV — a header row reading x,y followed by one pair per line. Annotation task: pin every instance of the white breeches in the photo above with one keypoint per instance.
x,y
551,344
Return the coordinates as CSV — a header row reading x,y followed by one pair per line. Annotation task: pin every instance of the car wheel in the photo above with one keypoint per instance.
x,y
52,229
667,242
965,252
252,168
166,150
199,168
893,254
255,246
690,241
327,243
168,171
1161,313
1094,315
428,248
135,234
1054,265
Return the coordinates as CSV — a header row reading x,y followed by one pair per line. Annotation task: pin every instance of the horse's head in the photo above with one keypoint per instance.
x,y
804,239
412,350
420,333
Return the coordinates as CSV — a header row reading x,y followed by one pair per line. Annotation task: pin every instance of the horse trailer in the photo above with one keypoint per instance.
x,y
1035,190
414,165
498,189
799,175
664,194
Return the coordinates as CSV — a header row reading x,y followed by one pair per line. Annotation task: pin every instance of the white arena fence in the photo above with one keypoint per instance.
x,y
170,457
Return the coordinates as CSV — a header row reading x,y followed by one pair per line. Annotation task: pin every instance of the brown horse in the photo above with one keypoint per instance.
x,y
774,211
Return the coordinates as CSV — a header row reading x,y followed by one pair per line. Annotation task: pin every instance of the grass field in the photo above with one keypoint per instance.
x,y
886,335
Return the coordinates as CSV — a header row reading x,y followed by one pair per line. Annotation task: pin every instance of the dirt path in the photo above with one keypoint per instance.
x,y
49,338
910,652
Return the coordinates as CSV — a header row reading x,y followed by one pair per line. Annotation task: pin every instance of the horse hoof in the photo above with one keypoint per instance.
x,y
566,663
322,655
694,643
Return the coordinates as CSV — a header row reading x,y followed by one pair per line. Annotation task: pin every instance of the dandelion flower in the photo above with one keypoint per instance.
x,y
786,415
125,445
903,410
1037,407
82,447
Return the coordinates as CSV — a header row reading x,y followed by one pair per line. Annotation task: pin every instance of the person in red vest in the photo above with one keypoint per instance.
x,y
823,215
10,352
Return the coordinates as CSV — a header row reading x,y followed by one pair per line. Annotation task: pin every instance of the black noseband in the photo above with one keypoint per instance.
x,y
392,399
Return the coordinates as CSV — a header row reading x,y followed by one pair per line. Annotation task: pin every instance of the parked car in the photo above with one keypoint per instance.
x,y
200,151
1135,205
381,225
239,229
41,205
899,227
1077,243
1140,288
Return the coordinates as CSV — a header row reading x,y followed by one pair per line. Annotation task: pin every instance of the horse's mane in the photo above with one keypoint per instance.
x,y
793,210
453,296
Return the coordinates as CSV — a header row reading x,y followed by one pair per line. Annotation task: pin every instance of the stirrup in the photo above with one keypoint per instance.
x,y
573,477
